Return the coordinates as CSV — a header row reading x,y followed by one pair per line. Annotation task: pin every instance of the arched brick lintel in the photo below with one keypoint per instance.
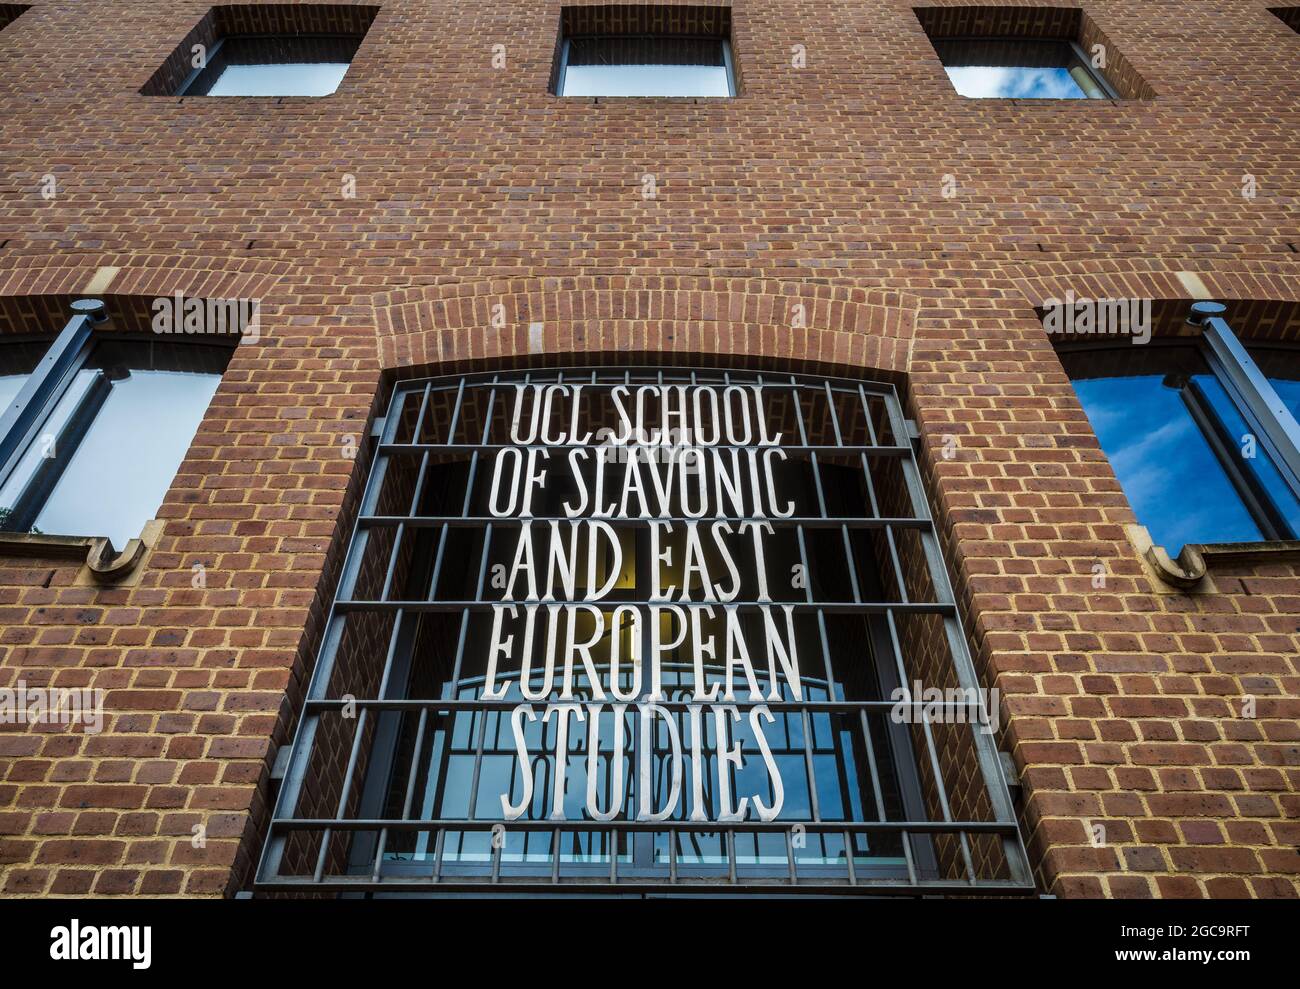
x,y
106,276
140,274
655,319
1097,283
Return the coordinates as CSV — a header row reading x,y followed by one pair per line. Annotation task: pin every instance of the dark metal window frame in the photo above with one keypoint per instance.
x,y
24,417
23,420
726,60
1254,398
370,873
1098,77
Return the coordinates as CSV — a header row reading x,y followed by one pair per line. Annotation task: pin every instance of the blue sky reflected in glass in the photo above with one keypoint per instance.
x,y
1014,82
288,79
646,80
1168,471
1271,489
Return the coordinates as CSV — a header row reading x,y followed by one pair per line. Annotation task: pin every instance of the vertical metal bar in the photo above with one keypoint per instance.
x,y
908,857
555,857
300,753
418,431
848,857
890,539
469,492
963,665
866,461
392,561
875,772
343,793
1255,393
928,734
809,764
478,596
484,715
672,855
497,852
831,688
410,792
850,561
21,419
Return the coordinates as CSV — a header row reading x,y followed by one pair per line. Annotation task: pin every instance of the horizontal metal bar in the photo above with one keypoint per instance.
x,y
848,449
478,521
687,827
635,377
684,885
776,707
833,607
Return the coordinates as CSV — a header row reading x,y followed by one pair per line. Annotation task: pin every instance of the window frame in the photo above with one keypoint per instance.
x,y
1255,400
727,62
48,382
184,88
370,874
54,376
1097,77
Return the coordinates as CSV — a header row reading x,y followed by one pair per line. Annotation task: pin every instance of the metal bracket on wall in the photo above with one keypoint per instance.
x,y
279,768
1011,775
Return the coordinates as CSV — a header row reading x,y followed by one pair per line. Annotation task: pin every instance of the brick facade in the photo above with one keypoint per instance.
x,y
918,230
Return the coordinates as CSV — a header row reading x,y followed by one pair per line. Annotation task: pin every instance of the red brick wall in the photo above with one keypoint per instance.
x,y
821,187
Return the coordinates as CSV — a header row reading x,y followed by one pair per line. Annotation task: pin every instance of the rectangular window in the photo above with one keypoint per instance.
x,y
1030,53
271,66
9,12
1290,16
265,50
642,630
637,54
1202,436
1020,69
94,430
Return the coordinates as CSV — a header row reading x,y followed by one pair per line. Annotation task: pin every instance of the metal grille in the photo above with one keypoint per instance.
x,y
455,735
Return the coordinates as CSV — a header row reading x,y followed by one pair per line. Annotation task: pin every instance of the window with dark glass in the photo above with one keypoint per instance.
x,y
9,12
671,661
1290,16
265,50
1201,434
629,51
93,434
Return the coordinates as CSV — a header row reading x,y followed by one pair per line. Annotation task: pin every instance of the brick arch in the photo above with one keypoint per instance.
x,y
1156,281
652,318
36,291
1261,305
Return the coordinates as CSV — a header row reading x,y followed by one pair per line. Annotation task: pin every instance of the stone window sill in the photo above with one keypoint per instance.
x,y
103,563
1190,568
